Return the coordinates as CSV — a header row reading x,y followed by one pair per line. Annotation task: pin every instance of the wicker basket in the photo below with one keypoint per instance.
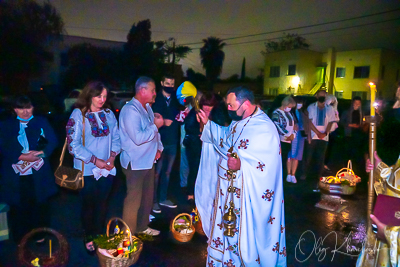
x,y
59,258
341,189
120,262
179,236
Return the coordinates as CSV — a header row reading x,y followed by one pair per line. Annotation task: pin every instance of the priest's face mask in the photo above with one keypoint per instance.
x,y
234,107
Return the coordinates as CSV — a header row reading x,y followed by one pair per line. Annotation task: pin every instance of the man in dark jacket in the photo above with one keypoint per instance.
x,y
168,106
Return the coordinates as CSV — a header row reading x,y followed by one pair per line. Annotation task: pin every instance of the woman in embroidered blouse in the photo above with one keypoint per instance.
x,y
102,145
27,180
286,127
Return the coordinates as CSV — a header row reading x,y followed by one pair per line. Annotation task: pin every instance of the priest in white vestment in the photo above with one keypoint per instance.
x,y
259,234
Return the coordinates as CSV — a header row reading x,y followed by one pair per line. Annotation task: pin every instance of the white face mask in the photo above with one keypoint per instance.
x,y
287,109
299,106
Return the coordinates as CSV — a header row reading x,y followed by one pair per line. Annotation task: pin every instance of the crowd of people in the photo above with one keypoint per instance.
x,y
217,137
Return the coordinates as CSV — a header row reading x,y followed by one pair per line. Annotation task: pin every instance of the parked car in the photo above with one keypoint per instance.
x,y
71,99
118,99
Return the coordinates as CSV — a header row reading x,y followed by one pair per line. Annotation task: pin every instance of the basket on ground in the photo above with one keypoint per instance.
x,y
344,183
107,261
59,258
186,236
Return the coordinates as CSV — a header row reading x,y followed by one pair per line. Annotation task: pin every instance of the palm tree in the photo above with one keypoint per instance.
x,y
212,57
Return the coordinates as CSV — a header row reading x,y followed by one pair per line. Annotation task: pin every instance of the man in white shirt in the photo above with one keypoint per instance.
x,y
141,147
321,119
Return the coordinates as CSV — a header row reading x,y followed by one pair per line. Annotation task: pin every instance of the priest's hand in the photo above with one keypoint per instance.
x,y
233,163
202,117
381,228
368,166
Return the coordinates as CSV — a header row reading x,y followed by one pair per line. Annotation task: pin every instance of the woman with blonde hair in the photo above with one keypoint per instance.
x,y
287,130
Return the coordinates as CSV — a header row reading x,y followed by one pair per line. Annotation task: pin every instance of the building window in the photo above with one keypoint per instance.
x,y
361,72
291,70
339,95
361,94
340,72
273,91
274,71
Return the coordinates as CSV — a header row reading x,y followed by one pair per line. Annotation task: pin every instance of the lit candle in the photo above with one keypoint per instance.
x,y
372,86
50,247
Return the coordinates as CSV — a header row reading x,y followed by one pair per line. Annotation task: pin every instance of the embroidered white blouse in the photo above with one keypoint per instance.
x,y
101,138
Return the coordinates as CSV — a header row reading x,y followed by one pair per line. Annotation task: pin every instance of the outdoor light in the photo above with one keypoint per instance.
x,y
296,80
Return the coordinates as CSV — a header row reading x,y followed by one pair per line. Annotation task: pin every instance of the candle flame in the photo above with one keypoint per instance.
x,y
371,84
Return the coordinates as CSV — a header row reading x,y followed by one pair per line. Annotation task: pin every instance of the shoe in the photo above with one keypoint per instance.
x,y
150,231
289,178
294,180
169,204
156,208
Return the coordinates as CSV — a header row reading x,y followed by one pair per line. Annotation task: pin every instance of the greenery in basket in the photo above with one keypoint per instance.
x,y
145,237
108,242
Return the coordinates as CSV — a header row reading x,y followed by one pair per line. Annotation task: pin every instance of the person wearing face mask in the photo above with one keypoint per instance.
x,y
168,106
247,185
27,181
287,130
297,149
321,117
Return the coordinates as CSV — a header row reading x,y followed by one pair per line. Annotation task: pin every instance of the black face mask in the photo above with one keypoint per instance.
x,y
169,90
234,116
321,99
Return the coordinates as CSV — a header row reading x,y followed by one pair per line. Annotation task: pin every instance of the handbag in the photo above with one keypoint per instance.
x,y
68,177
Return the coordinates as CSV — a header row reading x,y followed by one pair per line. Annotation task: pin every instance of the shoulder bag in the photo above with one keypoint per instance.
x,y
68,177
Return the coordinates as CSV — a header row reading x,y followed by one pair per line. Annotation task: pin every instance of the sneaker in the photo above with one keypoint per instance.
x,y
156,208
289,178
150,231
294,180
169,204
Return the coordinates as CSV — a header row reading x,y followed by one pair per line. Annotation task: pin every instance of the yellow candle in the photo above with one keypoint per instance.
x,y
373,91
50,247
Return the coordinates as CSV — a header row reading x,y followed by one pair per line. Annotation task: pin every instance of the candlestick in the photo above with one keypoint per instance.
x,y
50,247
373,91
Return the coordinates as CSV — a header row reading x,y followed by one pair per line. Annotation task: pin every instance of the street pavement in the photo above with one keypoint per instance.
x,y
314,237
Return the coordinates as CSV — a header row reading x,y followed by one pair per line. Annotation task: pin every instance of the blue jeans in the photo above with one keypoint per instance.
x,y
163,171
184,167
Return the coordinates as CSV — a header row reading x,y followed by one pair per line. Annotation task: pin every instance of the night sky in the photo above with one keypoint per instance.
x,y
191,21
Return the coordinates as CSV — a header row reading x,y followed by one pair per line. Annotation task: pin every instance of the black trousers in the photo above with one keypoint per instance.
x,y
316,157
94,204
193,153
29,214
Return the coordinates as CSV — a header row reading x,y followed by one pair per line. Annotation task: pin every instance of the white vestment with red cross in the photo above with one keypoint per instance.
x,y
259,236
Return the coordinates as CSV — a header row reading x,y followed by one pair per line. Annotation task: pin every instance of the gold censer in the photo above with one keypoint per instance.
x,y
229,218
